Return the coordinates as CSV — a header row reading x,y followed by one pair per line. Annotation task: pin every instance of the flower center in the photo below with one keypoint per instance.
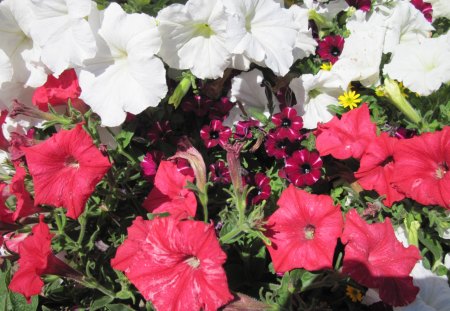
x,y
441,170
286,122
306,168
203,30
309,232
193,261
335,51
386,161
71,162
214,134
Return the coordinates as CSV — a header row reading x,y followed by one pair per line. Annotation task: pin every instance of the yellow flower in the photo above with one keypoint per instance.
x,y
379,91
349,99
353,293
326,66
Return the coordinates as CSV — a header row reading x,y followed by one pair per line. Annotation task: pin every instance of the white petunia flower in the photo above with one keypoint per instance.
x,y
305,44
264,33
60,28
441,8
246,89
328,10
314,93
125,76
6,71
421,66
195,37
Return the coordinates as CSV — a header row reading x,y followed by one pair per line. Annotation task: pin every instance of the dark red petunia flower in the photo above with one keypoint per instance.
x,y
347,137
177,265
24,205
215,134
4,143
425,8
58,91
304,231
218,109
36,259
303,168
377,168
376,259
65,169
243,129
288,124
160,131
330,48
169,193
263,189
196,104
220,173
184,167
422,168
278,147
363,5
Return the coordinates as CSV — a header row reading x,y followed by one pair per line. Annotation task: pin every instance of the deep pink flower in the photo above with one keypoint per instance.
x,y
347,137
288,123
363,5
303,231
177,265
376,259
303,168
243,129
215,134
425,8
330,48
169,193
263,189
149,164
4,143
65,169
377,168
278,147
220,173
422,168
160,131
184,167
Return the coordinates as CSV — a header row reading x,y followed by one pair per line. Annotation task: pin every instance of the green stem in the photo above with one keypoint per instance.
x,y
230,235
93,283
126,155
203,197
82,222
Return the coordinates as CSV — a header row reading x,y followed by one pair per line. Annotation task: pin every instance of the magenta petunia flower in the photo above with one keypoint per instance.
x,y
65,169
363,5
288,123
215,134
177,265
278,147
376,259
303,168
149,164
220,173
263,189
304,231
330,48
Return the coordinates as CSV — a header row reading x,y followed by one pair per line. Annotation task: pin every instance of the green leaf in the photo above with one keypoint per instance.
x,y
18,302
118,307
101,302
124,137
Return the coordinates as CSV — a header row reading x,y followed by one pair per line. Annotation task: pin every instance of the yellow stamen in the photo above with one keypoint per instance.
x,y
326,66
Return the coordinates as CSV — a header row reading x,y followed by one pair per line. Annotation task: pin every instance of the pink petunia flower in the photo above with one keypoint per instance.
x,y
177,265
303,167
65,169
303,231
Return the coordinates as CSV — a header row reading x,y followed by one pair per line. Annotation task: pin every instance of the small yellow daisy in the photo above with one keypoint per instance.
x,y
326,66
353,293
349,99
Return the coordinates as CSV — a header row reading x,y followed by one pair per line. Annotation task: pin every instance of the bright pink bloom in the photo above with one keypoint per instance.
x,y
376,259
149,164
65,169
422,168
347,137
215,134
425,8
377,168
303,168
288,124
177,265
169,193
330,48
303,231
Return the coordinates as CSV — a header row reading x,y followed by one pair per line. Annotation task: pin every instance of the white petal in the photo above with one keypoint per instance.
x,y
5,68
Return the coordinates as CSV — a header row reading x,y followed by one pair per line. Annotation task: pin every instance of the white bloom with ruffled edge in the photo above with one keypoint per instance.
x,y
195,37
422,66
60,28
329,10
305,44
125,76
246,89
6,71
441,8
314,94
263,33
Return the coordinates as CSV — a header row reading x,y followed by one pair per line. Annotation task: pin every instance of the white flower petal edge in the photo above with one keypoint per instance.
x,y
305,45
246,88
328,10
441,8
314,93
125,76
6,71
63,33
195,37
421,66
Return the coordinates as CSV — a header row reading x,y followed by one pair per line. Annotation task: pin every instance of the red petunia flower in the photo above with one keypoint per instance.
x,y
425,8
65,169
422,168
169,193
24,205
220,173
303,231
177,265
58,91
347,137
303,168
363,5
263,189
376,259
36,259
288,123
215,134
330,48
377,168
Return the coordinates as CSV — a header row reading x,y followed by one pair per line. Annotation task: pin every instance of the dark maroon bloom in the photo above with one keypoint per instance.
x,y
215,134
263,189
196,104
220,173
303,167
363,5
330,48
288,123
218,109
243,129
160,131
425,8
278,147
